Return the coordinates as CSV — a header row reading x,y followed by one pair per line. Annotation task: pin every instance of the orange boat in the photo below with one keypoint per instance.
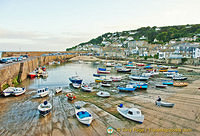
x,y
71,96
163,70
180,84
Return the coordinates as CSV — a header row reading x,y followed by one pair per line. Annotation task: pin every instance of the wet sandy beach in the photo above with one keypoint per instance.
x,y
19,115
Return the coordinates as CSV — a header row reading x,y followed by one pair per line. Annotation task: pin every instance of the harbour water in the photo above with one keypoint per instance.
x,y
19,115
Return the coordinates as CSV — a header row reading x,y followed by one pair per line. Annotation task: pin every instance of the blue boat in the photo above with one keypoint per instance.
x,y
128,88
139,85
173,71
148,67
102,69
167,82
44,108
98,75
76,79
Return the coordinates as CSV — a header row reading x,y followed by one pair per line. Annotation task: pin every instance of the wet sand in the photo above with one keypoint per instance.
x,y
19,115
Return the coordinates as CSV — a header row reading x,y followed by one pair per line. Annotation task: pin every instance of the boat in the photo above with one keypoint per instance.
x,y
105,84
19,91
130,66
116,78
98,75
43,68
164,104
103,94
103,71
76,79
44,74
180,84
108,64
76,85
86,88
148,67
124,70
32,75
140,64
170,75
167,82
163,70
59,89
58,62
147,74
128,88
8,91
179,78
71,96
141,78
44,108
131,113
161,86
83,115
174,67
139,85
43,92
99,80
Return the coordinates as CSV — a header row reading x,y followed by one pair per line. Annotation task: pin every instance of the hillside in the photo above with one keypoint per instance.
x,y
160,35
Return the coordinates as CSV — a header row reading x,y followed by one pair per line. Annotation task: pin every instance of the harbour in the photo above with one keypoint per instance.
x,y
20,116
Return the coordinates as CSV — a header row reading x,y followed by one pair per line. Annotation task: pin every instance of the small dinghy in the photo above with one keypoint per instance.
x,y
164,104
43,92
98,75
131,113
76,85
116,78
44,108
124,70
83,115
19,91
140,78
103,71
180,84
59,89
8,91
161,86
105,84
86,88
128,88
71,96
103,94
167,82
179,78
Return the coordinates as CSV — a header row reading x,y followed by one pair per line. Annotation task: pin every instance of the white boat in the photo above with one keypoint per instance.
x,y
105,84
116,78
8,91
164,104
131,113
141,78
19,91
76,85
44,74
146,74
83,115
86,88
161,86
103,94
43,92
59,89
179,78
108,64
44,108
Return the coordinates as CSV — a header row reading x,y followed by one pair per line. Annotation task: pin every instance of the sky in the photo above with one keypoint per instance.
x,y
54,25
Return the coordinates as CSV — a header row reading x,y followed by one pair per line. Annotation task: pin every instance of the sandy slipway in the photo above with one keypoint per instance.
x,y
19,115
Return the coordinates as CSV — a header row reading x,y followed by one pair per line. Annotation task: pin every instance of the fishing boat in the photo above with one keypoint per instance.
x,y
19,91
8,91
164,104
103,71
76,85
116,78
179,78
131,113
139,85
43,92
44,74
71,96
161,86
98,75
140,65
167,82
128,88
86,88
59,89
44,108
76,79
83,115
180,84
103,94
130,66
105,84
123,70
141,78
32,74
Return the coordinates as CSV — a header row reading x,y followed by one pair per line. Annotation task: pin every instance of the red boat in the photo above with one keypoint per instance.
x,y
32,75
103,72
140,64
71,96
44,68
